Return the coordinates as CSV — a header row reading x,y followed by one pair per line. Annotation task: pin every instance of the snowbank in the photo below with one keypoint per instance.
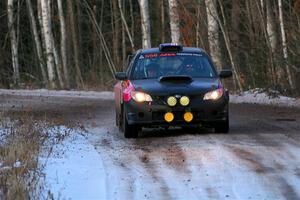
x,y
262,98
256,96
59,93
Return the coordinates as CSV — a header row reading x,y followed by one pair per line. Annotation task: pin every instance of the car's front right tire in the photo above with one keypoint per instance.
x,y
222,127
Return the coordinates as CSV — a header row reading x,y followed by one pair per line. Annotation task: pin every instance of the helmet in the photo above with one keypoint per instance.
x,y
152,70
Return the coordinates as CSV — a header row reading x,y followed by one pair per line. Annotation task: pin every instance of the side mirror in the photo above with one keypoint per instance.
x,y
121,76
225,73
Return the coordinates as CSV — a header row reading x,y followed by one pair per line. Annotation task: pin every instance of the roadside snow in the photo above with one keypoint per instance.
x,y
75,170
262,98
59,93
255,96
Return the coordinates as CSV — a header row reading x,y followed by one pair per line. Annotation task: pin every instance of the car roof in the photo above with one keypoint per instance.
x,y
184,50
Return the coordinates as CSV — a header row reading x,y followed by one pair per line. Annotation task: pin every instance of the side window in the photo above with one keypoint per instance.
x,y
130,61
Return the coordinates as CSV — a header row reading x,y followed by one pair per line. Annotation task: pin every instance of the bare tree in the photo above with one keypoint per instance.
x,y
56,55
213,32
272,40
146,28
75,44
132,19
125,24
48,43
116,31
223,27
13,41
162,16
63,43
37,40
174,21
284,46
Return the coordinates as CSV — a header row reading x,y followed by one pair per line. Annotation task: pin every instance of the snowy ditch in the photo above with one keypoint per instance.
x,y
74,170
68,166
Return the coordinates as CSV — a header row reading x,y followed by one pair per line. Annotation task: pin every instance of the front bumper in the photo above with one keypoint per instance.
x,y
206,113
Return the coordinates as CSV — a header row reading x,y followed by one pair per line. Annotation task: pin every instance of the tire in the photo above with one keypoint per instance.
x,y
129,130
222,127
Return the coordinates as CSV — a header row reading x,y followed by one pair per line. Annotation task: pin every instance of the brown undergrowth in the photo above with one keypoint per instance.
x,y
23,140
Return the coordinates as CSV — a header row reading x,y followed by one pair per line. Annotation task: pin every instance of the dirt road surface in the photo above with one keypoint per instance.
x,y
258,159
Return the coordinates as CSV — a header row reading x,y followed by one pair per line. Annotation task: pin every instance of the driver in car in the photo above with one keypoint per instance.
x,y
153,70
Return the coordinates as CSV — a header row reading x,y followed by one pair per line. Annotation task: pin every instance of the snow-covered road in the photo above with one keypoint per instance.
x,y
258,159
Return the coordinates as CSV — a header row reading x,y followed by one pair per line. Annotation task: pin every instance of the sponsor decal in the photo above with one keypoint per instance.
x,y
155,55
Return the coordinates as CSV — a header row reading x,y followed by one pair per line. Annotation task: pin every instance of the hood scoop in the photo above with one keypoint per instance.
x,y
175,79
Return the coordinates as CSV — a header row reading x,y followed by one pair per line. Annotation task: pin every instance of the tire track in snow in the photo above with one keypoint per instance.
x,y
256,163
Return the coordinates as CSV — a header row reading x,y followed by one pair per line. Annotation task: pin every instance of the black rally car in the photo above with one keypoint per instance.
x,y
171,86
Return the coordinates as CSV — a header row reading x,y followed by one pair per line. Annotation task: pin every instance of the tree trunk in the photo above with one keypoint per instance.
x,y
79,80
124,25
163,38
57,61
48,43
174,21
116,32
228,46
145,20
14,43
56,55
132,19
101,48
284,46
37,41
63,44
213,33
272,40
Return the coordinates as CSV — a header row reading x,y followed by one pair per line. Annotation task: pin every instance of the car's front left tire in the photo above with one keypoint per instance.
x,y
130,131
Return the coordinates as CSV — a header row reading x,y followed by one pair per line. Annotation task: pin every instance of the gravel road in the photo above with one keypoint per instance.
x,y
258,159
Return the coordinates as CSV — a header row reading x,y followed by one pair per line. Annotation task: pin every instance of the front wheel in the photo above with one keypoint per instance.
x,y
129,131
222,127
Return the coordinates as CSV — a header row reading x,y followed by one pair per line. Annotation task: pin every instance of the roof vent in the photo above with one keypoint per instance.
x,y
170,47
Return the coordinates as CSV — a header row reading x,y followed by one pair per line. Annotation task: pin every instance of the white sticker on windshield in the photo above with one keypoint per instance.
x,y
141,57
188,54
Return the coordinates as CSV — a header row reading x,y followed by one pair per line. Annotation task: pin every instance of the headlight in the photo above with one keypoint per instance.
x,y
140,96
214,95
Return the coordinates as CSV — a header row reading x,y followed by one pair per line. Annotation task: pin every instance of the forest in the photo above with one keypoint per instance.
x,y
80,44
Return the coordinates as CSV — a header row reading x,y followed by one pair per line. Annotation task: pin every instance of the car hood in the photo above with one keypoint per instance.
x,y
194,87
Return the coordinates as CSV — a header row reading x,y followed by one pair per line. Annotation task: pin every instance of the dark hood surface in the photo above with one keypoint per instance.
x,y
194,87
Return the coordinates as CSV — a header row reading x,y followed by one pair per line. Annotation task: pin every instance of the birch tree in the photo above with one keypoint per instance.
x,y
48,44
272,40
284,46
63,43
174,21
145,23
37,40
213,32
13,41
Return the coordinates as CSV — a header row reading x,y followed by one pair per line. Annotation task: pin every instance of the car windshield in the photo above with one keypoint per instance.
x,y
151,66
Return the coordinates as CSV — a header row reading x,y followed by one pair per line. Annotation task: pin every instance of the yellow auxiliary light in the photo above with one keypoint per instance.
x,y
169,117
184,101
188,116
172,101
